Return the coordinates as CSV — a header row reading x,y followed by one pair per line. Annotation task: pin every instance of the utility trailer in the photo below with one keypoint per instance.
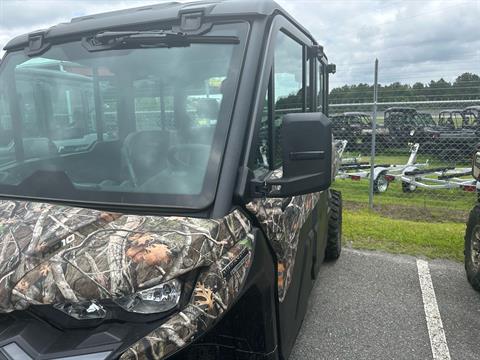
x,y
438,179
412,175
384,174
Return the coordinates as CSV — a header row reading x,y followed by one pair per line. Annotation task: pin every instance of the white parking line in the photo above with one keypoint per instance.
x,y
438,342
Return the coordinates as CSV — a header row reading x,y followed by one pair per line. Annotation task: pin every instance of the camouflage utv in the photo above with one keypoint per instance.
x,y
157,200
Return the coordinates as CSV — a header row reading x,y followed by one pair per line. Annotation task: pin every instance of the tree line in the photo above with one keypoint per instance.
x,y
465,87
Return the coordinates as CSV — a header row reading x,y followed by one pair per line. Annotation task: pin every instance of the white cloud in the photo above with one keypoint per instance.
x,y
414,40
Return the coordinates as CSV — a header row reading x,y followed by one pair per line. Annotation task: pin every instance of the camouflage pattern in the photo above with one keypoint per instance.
x,y
54,254
282,219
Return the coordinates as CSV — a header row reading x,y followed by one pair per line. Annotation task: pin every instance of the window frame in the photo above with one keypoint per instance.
x,y
321,73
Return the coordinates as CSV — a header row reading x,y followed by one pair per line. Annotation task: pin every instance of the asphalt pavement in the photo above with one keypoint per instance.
x,y
372,305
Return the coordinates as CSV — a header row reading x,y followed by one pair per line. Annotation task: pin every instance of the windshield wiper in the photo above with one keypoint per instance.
x,y
109,40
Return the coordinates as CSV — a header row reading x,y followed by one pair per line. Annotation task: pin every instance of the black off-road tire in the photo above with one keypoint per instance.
x,y
472,242
334,239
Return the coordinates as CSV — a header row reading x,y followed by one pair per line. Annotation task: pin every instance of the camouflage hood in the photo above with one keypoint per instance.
x,y
52,253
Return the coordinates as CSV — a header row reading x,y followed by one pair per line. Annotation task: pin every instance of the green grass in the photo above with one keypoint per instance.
x,y
446,200
369,230
426,223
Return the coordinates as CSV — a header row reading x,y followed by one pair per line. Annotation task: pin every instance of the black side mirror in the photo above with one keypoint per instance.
x,y
307,157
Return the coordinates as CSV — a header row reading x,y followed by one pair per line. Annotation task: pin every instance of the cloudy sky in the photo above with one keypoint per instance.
x,y
414,40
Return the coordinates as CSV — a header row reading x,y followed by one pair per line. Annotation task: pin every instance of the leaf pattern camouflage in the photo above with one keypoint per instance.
x,y
282,220
52,254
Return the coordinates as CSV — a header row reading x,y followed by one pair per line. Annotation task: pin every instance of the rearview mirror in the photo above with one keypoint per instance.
x,y
306,155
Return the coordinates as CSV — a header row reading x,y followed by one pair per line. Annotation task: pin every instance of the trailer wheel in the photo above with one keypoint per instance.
x,y
334,239
472,248
407,187
380,184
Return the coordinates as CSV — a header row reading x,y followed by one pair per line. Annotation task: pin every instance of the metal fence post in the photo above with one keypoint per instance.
x,y
374,130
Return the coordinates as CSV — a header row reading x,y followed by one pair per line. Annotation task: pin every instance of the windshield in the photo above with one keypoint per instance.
x,y
470,119
424,119
144,125
400,118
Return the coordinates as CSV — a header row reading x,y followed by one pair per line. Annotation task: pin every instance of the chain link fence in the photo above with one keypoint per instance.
x,y
423,152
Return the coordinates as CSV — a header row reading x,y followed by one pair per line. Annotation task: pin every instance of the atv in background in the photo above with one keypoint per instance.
x,y
402,123
450,119
356,128
426,119
472,234
456,136
471,117
407,125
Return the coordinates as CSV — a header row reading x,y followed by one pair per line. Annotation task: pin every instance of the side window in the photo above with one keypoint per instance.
x,y
288,86
309,85
262,152
321,87
6,135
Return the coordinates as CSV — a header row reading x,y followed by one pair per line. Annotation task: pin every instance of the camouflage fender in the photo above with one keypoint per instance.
x,y
282,220
53,254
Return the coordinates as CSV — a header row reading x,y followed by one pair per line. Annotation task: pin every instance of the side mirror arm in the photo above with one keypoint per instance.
x,y
274,187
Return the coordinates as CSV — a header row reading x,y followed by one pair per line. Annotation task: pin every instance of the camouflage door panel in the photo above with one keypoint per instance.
x,y
53,254
282,220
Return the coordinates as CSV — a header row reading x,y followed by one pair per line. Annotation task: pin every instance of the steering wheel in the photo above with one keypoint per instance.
x,y
188,156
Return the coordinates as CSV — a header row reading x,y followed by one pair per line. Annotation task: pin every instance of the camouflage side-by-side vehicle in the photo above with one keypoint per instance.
x,y
164,183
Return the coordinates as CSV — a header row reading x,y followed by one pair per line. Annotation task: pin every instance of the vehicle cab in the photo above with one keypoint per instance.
x,y
164,183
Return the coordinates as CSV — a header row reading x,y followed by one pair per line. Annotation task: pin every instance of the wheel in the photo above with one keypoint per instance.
x,y
334,239
472,248
380,184
408,188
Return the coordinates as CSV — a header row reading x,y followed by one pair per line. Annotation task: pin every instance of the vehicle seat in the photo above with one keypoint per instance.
x,y
38,148
144,154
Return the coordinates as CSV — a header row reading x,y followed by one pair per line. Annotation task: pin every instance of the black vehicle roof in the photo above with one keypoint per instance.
x,y
355,113
451,111
163,12
475,107
405,109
